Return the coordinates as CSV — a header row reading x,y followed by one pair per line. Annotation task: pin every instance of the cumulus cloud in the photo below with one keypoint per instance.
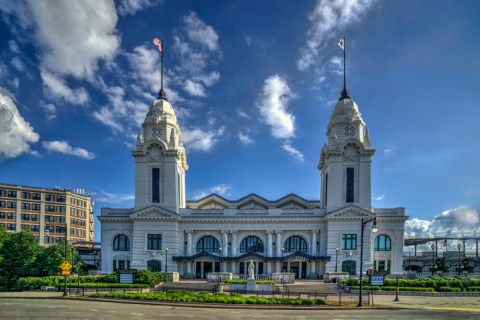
x,y
65,148
459,222
379,198
18,64
50,111
16,133
199,31
244,138
220,189
104,196
200,140
292,151
126,7
273,107
327,17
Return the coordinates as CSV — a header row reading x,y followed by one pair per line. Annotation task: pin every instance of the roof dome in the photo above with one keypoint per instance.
x,y
161,108
345,110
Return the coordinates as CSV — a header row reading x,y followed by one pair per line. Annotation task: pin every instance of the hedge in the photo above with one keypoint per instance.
x,y
392,288
436,283
185,296
245,281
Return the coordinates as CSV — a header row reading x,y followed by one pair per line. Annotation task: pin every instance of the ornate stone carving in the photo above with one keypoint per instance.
x,y
350,153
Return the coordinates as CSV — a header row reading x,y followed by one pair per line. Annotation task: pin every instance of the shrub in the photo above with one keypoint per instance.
x,y
151,278
449,289
245,281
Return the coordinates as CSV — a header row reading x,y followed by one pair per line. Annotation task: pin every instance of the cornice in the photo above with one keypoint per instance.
x,y
253,220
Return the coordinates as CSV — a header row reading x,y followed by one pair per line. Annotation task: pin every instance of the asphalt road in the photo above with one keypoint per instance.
x,y
39,308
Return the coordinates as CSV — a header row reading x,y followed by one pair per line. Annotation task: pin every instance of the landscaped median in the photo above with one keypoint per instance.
x,y
204,297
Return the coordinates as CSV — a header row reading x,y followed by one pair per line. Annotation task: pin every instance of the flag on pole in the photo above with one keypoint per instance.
x,y
158,43
444,243
341,43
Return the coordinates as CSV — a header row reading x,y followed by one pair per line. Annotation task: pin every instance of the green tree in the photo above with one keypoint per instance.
x,y
19,254
50,259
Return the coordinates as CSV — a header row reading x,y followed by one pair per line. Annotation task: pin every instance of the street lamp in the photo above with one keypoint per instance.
x,y
166,256
336,258
459,247
65,292
374,229
433,258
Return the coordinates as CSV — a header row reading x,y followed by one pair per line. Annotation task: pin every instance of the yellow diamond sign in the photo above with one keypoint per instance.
x,y
65,273
66,266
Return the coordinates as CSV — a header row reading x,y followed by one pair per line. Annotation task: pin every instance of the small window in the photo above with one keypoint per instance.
x,y
349,266
208,244
155,185
154,265
350,184
154,242
349,242
12,193
36,196
121,243
383,243
295,244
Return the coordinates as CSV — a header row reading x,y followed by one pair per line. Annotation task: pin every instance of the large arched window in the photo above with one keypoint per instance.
x,y
382,243
121,243
208,244
251,244
294,244
154,265
349,266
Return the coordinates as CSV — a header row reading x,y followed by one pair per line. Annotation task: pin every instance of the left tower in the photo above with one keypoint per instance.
x,y
160,160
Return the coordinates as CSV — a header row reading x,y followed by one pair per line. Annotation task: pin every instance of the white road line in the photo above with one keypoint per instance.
x,y
137,314
94,310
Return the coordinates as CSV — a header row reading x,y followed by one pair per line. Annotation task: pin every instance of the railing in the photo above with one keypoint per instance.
x,y
257,277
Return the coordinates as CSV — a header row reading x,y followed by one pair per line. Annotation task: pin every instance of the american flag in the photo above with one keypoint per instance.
x,y
158,43
341,43
444,243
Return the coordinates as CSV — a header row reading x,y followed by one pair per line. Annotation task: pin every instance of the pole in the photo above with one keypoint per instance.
x,y
336,259
361,266
344,65
65,293
161,72
166,253
396,291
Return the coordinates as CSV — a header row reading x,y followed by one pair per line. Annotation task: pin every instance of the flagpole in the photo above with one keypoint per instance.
x,y
161,72
344,65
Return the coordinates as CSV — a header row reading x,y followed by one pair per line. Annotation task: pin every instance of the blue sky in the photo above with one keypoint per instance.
x,y
253,84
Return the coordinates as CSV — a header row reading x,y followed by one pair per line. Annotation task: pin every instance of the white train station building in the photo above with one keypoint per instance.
x,y
309,238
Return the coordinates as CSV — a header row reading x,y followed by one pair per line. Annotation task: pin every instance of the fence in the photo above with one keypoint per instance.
x,y
257,277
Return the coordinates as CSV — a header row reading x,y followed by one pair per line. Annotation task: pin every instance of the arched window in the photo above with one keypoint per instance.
x,y
349,266
294,244
121,243
251,244
382,243
208,244
154,265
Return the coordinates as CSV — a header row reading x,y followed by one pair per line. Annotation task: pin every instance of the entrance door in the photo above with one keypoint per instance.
x,y
294,268
207,268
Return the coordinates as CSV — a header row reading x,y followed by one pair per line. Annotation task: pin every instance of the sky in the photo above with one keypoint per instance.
x,y
253,84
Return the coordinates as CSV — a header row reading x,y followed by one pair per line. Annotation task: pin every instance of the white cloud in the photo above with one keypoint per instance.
x,y
459,222
273,107
292,151
65,148
16,134
387,150
327,17
104,196
199,140
58,88
13,46
245,139
50,111
220,189
379,198
126,7
200,32
194,88
18,64
336,65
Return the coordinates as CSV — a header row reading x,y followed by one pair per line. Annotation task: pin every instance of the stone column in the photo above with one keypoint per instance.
x,y
279,244
234,243
202,275
314,243
189,243
225,244
269,243
300,264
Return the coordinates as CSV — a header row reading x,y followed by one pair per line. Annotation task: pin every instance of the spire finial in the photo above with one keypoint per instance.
x,y
159,43
344,94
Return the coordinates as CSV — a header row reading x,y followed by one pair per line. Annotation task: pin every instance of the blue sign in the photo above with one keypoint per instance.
x,y
377,280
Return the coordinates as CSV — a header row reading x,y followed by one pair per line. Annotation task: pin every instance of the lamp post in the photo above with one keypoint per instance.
x,y
65,292
166,257
459,247
336,258
374,229
433,258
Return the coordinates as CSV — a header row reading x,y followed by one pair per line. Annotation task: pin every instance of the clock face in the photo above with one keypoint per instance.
x,y
156,132
349,131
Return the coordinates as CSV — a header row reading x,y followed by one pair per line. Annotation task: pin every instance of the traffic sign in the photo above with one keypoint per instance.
x,y
65,273
66,266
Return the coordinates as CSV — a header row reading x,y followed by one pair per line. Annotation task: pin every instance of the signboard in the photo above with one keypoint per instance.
x,y
377,280
65,273
66,266
126,277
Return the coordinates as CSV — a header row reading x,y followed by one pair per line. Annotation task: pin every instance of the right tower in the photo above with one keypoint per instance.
x,y
345,159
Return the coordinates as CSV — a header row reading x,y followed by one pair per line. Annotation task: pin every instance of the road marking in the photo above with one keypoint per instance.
x,y
454,309
137,314
52,307
112,311
94,310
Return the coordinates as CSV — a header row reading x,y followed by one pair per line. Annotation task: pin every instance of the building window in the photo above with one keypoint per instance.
x,y
60,219
2,204
35,217
61,209
349,266
25,217
326,189
49,208
49,229
2,193
12,193
11,226
154,265
294,244
11,215
47,239
251,244
50,197
49,218
208,244
121,265
349,242
60,229
36,196
155,185
36,206
121,243
383,243
61,198
12,204
25,195
35,228
25,206
2,215
154,242
350,183
382,266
